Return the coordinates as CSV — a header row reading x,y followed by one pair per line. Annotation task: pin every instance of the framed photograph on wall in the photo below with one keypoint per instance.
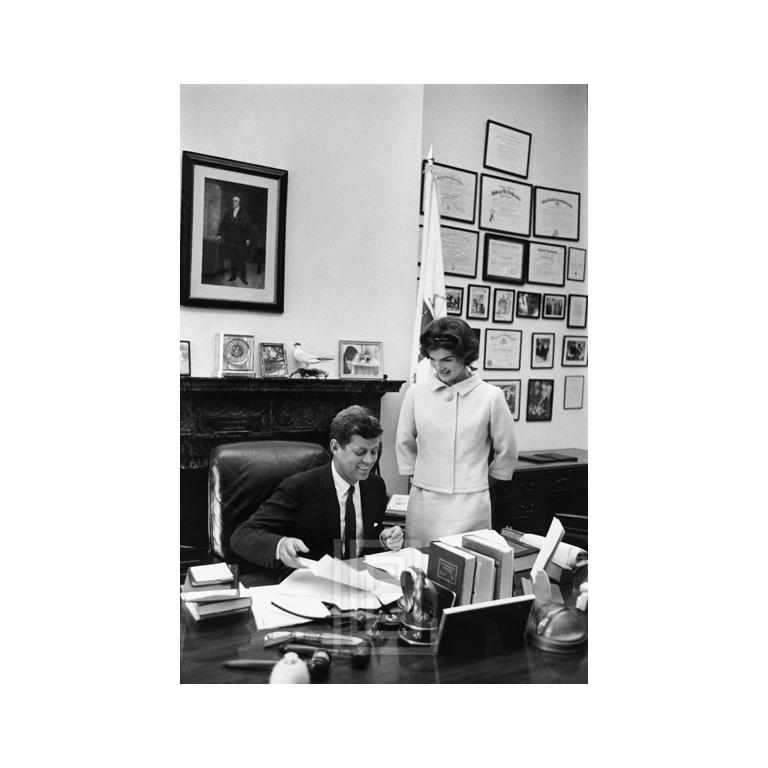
x,y
273,362
454,300
511,390
361,359
505,259
539,404
528,304
502,349
460,247
546,264
457,188
186,360
577,311
503,305
553,306
507,149
556,214
505,205
478,299
542,350
573,397
577,264
574,351
232,234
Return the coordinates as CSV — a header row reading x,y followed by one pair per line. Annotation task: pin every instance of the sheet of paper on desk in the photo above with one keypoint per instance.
x,y
486,533
394,563
266,615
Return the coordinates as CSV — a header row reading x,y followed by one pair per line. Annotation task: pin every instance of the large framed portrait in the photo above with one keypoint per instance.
x,y
459,250
457,189
546,264
505,259
505,205
553,306
361,359
556,214
542,350
577,311
478,299
577,264
573,396
540,395
503,305
502,349
507,149
528,304
273,362
574,351
454,300
186,360
232,234
511,390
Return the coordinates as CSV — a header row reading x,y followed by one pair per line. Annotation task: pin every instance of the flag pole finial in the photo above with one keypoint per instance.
x,y
429,155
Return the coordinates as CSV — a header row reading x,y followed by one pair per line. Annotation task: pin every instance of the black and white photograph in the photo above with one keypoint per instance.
x,y
273,362
186,360
553,306
539,403
478,298
360,359
528,304
511,390
503,305
542,350
574,351
454,300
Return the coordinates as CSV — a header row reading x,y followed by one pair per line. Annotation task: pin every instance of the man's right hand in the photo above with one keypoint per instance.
x,y
288,551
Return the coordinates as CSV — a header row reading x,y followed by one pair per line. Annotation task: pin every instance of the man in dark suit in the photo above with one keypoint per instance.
x,y
336,509
235,237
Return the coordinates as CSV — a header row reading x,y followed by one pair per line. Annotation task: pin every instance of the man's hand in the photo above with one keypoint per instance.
x,y
392,538
288,551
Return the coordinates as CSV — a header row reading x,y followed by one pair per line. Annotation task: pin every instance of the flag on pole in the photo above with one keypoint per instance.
x,y
430,296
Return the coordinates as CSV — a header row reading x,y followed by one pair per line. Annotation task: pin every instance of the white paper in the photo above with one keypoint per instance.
x,y
265,614
565,554
394,563
215,572
486,533
549,545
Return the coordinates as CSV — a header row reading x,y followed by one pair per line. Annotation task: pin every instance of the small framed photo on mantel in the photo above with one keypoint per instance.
x,y
273,362
361,359
186,360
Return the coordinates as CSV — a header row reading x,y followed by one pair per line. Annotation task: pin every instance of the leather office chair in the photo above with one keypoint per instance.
x,y
243,475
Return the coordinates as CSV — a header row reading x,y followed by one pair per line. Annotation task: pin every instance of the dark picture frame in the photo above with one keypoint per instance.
x,y
542,350
573,392
574,352
273,361
503,348
511,389
508,147
454,300
577,310
541,393
455,186
186,359
553,306
505,259
503,305
216,246
546,264
505,205
556,213
528,305
577,264
475,309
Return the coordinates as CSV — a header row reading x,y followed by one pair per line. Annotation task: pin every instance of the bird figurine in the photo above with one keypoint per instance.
x,y
305,359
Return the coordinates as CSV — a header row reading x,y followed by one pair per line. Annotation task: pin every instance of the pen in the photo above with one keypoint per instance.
x,y
324,639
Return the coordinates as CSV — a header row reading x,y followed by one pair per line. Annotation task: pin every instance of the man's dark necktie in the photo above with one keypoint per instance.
x,y
350,526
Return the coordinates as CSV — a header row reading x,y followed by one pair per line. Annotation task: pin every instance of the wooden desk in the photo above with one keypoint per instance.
x,y
206,644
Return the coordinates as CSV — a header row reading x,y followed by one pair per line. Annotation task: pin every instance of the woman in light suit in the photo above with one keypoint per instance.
x,y
449,425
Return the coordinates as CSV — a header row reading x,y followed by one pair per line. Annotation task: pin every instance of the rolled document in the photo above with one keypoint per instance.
x,y
565,554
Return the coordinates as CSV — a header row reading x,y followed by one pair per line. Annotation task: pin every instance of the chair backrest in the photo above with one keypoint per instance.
x,y
243,475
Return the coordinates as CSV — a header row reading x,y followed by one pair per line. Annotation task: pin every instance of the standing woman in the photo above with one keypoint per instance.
x,y
449,424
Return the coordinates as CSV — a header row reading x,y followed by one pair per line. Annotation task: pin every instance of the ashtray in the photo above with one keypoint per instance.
x,y
556,627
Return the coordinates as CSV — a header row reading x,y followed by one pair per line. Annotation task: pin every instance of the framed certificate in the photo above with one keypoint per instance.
x,y
546,264
477,302
577,264
457,189
577,311
502,349
540,394
454,300
505,259
556,214
574,351
505,206
553,306
507,149
573,396
542,350
503,305
460,248
511,390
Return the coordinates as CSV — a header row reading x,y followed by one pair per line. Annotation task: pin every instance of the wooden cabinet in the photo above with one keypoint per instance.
x,y
538,492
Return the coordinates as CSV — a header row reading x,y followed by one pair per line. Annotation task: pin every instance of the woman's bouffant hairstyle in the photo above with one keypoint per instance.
x,y
453,334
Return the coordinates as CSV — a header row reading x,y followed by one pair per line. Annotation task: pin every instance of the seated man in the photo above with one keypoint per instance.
x,y
333,510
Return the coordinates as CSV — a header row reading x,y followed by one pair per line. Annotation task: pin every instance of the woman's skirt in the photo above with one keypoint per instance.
x,y
431,515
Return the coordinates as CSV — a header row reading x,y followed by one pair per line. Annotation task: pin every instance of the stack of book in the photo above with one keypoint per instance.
x,y
214,590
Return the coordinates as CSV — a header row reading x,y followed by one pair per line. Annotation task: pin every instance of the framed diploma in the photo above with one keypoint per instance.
x,y
546,264
502,349
574,351
507,149
542,350
505,206
511,390
454,300
577,311
540,395
457,189
503,305
528,304
505,259
460,248
573,397
478,299
556,214
553,306
577,264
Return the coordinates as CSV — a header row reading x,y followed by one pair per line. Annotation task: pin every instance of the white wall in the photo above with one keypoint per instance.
x,y
454,123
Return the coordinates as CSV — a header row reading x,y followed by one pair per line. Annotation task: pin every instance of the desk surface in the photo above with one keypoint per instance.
x,y
206,644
